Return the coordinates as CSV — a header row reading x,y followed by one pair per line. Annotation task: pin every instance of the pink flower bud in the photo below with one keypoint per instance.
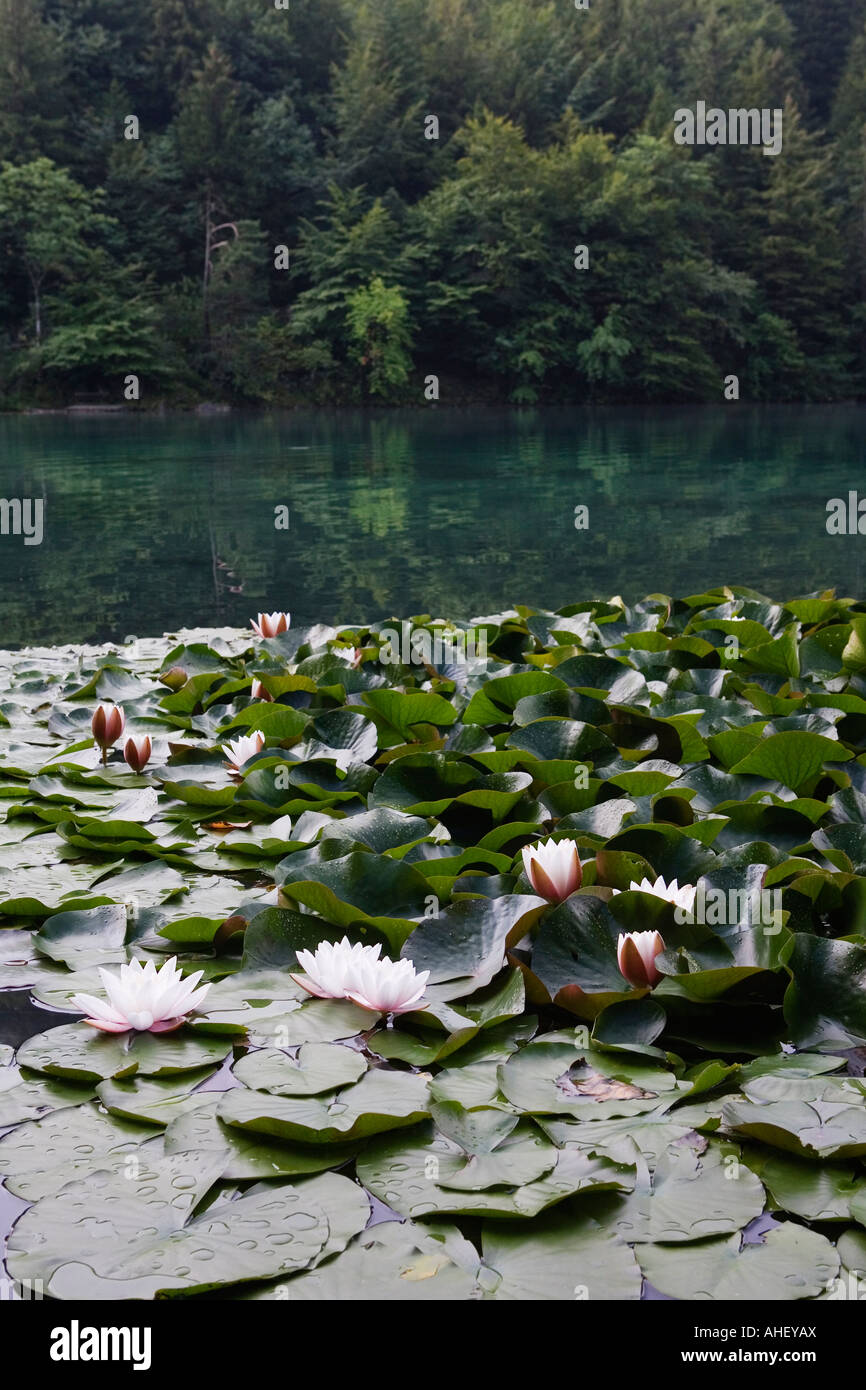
x,y
636,954
108,725
258,692
137,752
553,869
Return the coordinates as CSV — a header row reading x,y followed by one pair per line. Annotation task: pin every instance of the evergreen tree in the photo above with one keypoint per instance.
x,y
32,68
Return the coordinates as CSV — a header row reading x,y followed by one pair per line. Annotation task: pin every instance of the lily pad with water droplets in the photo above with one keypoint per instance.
x,y
390,1262
244,1154
693,1196
320,1067
790,1262
405,1175
381,1100
40,1156
124,1236
82,1053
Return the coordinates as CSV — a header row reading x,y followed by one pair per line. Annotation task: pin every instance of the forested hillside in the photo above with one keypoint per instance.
x,y
242,203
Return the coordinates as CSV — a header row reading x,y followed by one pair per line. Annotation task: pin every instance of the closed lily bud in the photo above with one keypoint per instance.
x,y
271,624
175,679
553,869
107,726
137,752
636,956
258,692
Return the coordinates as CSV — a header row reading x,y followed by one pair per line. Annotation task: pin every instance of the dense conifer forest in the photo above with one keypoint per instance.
x,y
340,201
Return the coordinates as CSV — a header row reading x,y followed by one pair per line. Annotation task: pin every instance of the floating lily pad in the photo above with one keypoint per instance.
x,y
243,1154
564,1256
146,1242
82,1054
405,1175
381,1100
790,1262
392,1261
41,1156
320,1067
693,1196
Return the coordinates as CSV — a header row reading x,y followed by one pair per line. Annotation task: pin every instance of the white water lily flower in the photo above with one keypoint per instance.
x,y
683,898
143,998
271,624
240,750
553,869
389,986
332,969
636,955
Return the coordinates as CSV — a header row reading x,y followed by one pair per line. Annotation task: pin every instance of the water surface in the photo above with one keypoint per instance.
x,y
156,522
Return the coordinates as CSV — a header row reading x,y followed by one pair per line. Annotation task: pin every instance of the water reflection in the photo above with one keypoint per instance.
x,y
153,522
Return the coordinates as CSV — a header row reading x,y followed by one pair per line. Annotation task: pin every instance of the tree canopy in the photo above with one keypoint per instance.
x,y
335,201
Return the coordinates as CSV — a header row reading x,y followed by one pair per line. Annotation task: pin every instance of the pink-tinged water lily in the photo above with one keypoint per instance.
x,y
553,869
332,969
636,954
271,624
258,692
240,750
107,725
143,998
683,898
137,752
389,986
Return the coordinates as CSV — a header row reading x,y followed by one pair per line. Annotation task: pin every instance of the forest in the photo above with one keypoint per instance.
x,y
329,202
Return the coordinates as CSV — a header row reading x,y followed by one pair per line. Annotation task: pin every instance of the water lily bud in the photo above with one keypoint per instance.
x,y
271,624
240,750
175,679
636,954
553,869
258,692
107,725
137,752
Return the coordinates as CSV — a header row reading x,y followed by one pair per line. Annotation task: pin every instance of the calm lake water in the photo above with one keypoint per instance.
x,y
151,523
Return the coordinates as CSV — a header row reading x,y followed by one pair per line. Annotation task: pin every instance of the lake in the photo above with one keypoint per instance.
x,y
155,522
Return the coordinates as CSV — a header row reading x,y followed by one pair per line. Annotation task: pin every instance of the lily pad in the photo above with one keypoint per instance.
x,y
381,1100
790,1262
320,1067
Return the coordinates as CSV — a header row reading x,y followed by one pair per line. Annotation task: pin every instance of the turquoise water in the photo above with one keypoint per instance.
x,y
155,522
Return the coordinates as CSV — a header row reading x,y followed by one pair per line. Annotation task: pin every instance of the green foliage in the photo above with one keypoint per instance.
x,y
379,331
716,739
554,132
48,221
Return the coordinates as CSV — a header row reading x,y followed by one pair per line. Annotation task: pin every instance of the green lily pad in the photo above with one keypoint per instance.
x,y
789,1263
693,1196
404,1174
320,1067
391,1261
244,1155
793,757
41,1156
561,1256
148,1244
82,1054
381,1100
